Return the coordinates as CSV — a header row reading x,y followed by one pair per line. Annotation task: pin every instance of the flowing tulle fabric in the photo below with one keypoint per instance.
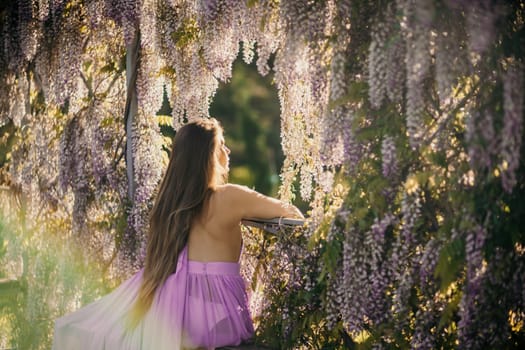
x,y
201,305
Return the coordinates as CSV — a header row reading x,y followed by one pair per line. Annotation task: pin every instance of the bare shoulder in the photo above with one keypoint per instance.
x,y
240,200
228,199
232,191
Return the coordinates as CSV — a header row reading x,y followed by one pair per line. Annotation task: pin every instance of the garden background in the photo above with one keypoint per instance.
x,y
397,126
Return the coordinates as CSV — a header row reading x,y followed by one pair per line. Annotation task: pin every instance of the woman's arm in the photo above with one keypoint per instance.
x,y
247,203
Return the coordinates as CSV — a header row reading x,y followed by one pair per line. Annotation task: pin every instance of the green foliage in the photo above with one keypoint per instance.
x,y
42,277
248,109
450,264
187,32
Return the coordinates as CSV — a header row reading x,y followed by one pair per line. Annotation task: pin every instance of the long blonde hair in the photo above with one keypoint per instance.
x,y
185,189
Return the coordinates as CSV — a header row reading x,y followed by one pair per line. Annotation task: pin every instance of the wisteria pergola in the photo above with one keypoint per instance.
x,y
401,123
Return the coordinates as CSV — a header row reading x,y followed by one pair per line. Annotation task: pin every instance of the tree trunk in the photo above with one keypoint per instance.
x,y
132,61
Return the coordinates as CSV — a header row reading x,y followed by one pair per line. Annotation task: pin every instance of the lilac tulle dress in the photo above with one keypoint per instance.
x,y
201,305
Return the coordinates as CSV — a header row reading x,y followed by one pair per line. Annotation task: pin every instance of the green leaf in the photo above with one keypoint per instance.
x,y
108,68
438,158
164,120
450,263
423,176
360,213
449,311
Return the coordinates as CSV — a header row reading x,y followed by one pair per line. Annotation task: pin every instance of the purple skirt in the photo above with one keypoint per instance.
x,y
201,305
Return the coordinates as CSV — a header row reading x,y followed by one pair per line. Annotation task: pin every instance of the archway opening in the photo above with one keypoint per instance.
x,y
248,108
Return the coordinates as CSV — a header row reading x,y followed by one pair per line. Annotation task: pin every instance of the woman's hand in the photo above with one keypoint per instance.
x,y
292,211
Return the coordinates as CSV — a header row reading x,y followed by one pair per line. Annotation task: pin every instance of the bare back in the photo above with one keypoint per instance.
x,y
216,234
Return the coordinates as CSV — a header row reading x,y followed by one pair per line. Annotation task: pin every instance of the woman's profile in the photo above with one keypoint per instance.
x,y
189,293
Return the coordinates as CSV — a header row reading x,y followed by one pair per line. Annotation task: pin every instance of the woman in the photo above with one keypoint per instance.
x,y
189,293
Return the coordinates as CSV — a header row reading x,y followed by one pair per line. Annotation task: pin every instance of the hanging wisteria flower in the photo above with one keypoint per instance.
x,y
147,172
379,270
337,70
451,60
473,290
403,259
427,265
306,183
29,29
418,18
377,63
335,298
426,322
395,56
65,68
354,281
481,25
389,161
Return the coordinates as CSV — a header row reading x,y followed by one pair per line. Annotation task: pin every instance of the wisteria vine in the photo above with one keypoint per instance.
x,y
401,122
